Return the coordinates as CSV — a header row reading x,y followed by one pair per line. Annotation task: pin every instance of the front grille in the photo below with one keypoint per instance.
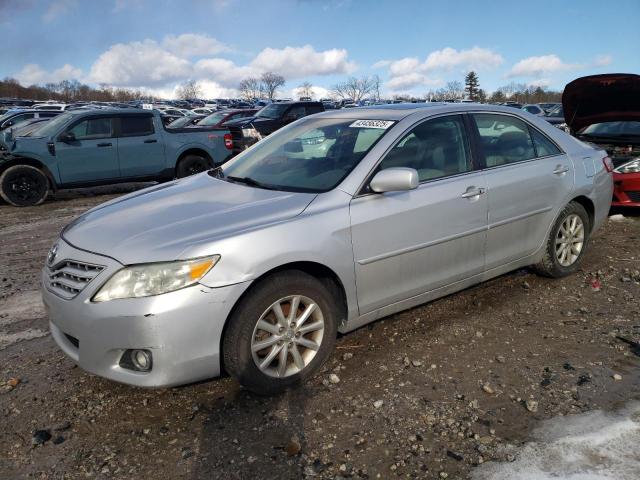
x,y
633,196
69,277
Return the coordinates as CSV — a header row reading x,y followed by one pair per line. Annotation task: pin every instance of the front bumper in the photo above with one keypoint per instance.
x,y
182,329
626,190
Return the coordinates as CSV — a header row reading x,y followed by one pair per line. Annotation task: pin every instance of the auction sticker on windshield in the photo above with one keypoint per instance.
x,y
383,124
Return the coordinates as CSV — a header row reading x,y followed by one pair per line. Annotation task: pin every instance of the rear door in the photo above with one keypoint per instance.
x,y
140,147
92,156
528,179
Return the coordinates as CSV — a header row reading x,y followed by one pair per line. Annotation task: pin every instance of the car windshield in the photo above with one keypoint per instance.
x,y
212,119
273,110
52,126
612,129
556,111
311,156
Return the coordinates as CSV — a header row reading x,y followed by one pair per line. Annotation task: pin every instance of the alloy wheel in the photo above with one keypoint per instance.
x,y
569,240
287,336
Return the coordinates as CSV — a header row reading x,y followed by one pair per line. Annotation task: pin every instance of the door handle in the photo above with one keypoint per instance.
x,y
151,140
473,192
560,170
105,145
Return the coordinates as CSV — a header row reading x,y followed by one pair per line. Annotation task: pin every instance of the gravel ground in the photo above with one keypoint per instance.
x,y
428,393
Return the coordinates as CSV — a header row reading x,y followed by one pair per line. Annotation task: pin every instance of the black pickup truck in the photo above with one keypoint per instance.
x,y
248,130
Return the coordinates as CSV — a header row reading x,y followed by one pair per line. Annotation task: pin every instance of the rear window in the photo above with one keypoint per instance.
x,y
134,126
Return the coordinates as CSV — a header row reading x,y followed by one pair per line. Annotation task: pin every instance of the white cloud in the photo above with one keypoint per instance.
x,y
57,8
193,45
223,71
412,80
475,58
540,66
410,72
317,93
34,74
138,63
298,62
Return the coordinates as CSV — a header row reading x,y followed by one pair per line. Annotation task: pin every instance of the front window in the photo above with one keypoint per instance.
x,y
312,156
93,128
436,148
272,111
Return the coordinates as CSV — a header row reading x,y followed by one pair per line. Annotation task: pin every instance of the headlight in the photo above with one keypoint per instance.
x,y
630,167
150,279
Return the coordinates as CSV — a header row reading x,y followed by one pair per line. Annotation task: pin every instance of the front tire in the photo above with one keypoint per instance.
x,y
281,333
192,164
23,186
566,243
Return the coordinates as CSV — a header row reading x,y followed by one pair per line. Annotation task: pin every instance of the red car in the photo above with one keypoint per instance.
x,y
605,110
219,118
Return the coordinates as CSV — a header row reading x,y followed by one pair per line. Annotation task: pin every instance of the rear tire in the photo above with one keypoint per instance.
x,y
567,242
308,319
24,186
192,164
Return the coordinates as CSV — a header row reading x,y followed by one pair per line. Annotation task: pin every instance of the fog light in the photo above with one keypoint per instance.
x,y
141,359
137,359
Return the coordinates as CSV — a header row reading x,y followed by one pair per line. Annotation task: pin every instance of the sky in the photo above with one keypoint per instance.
x,y
414,46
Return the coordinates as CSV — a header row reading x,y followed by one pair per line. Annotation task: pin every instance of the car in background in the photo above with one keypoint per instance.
x,y
221,117
13,117
534,109
549,105
604,110
186,121
249,130
512,105
203,111
555,117
84,148
335,221
51,106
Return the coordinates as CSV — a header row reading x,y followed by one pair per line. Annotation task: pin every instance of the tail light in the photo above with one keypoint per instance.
x,y
608,164
228,141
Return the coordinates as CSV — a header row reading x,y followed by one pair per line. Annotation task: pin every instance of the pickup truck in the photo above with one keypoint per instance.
x,y
87,148
247,131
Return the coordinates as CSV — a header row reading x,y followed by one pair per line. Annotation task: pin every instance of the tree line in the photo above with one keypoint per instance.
x,y
68,91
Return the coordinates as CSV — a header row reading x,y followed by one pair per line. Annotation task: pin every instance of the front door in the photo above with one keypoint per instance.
x,y
412,242
93,155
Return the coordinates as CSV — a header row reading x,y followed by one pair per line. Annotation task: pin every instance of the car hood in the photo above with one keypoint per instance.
x,y
165,221
601,98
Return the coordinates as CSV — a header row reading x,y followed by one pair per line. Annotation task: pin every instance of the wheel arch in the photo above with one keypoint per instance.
x,y
32,163
317,270
201,152
589,206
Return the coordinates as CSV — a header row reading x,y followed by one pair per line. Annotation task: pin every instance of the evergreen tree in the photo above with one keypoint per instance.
x,y
471,85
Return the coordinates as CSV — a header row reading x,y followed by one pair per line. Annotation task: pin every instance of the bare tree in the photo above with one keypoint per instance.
x,y
454,90
305,90
354,88
375,88
271,82
250,88
190,89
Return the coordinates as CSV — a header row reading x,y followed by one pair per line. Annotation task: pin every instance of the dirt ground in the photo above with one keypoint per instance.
x,y
428,393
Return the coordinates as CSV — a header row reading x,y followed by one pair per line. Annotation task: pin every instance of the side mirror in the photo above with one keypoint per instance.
x,y
294,146
67,137
397,179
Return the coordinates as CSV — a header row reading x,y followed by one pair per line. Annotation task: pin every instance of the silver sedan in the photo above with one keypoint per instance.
x,y
337,220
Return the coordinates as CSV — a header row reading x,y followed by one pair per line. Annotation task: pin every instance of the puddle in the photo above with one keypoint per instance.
x,y
592,446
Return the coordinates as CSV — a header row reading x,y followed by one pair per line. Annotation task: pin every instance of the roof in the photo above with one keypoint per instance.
x,y
399,111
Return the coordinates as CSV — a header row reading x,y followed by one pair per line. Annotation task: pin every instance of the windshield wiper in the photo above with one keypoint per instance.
x,y
250,181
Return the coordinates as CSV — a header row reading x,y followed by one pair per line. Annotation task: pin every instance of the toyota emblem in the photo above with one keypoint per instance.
x,y
51,256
